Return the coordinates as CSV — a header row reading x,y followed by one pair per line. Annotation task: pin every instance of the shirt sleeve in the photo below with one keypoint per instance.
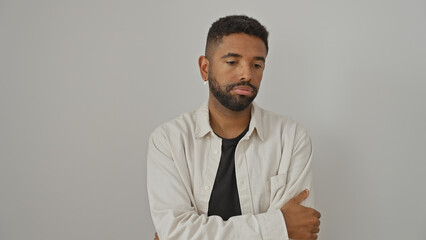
x,y
295,173
173,210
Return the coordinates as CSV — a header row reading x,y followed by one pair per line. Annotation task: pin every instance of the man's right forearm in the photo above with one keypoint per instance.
x,y
265,226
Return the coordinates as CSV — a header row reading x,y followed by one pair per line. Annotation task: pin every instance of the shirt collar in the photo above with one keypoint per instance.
x,y
202,121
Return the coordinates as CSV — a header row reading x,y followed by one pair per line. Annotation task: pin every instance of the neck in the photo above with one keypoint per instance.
x,y
225,122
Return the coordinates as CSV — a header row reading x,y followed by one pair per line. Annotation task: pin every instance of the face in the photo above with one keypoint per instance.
x,y
235,70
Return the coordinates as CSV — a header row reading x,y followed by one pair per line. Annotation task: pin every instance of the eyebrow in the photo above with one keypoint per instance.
x,y
260,58
230,54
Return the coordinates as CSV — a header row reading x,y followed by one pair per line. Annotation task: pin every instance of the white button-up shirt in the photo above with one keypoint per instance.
x,y
272,165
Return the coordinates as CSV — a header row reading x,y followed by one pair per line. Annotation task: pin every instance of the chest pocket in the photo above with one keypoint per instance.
x,y
275,188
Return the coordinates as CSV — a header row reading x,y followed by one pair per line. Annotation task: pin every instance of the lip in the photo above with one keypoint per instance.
x,y
242,90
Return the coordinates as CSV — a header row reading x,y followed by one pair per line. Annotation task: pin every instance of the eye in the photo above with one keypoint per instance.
x,y
231,62
256,65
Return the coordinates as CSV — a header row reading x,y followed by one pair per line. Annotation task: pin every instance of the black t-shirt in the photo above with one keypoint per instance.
x,y
224,199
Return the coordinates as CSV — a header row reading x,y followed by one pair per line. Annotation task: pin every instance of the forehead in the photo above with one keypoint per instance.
x,y
241,43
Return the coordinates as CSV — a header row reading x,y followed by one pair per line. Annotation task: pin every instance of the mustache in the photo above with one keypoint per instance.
x,y
242,83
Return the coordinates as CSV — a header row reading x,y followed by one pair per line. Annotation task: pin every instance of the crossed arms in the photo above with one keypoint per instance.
x,y
175,213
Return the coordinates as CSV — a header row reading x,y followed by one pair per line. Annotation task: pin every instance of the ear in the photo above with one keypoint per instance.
x,y
203,64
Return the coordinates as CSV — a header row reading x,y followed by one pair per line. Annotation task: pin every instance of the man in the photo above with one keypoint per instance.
x,y
232,170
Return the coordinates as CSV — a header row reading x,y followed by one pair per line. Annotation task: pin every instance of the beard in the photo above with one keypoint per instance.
x,y
232,102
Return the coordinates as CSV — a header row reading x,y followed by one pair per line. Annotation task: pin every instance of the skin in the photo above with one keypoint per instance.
x,y
237,58
302,222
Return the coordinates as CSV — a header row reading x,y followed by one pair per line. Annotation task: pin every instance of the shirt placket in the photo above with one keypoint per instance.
x,y
211,170
243,182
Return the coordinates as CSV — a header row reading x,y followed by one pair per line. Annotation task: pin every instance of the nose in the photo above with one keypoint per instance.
x,y
246,73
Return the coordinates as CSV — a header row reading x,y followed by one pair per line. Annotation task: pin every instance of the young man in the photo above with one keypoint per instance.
x,y
232,170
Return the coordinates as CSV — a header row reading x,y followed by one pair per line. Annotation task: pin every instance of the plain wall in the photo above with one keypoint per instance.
x,y
83,84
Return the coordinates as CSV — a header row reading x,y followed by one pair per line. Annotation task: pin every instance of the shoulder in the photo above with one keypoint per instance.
x,y
183,125
272,121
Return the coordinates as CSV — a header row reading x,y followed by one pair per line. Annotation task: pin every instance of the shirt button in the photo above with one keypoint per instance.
x,y
216,152
206,188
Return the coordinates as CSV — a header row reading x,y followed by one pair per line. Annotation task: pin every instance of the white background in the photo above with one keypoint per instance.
x,y
83,84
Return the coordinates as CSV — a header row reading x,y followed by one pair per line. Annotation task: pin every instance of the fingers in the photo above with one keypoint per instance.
x,y
301,196
316,229
156,237
317,214
308,236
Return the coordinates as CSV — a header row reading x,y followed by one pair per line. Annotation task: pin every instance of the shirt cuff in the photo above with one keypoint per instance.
x,y
272,225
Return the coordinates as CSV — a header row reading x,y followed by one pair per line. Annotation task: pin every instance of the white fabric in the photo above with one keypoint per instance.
x,y
272,164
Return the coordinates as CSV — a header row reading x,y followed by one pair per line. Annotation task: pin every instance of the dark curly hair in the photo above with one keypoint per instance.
x,y
235,24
